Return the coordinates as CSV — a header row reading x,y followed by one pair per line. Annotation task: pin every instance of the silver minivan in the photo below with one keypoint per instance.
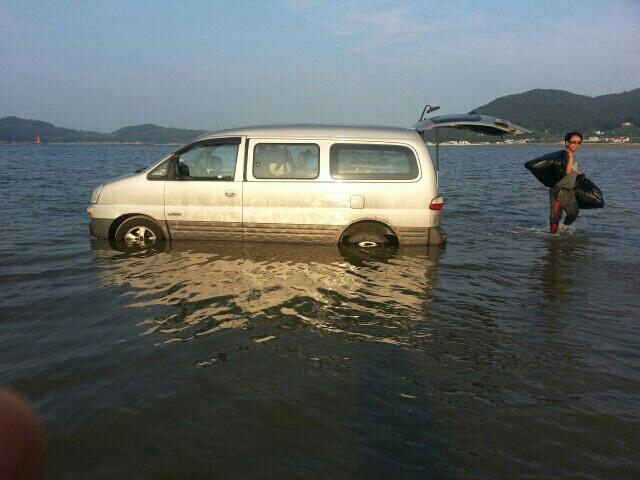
x,y
368,186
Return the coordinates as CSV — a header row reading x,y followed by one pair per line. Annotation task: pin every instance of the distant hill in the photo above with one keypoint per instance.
x,y
150,133
19,130
555,112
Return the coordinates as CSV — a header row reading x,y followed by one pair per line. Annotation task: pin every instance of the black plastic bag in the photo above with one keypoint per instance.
x,y
549,168
587,194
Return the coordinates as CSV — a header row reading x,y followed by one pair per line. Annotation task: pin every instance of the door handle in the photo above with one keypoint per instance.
x,y
230,193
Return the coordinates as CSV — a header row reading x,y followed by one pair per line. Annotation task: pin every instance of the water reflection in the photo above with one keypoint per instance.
x,y
193,289
563,259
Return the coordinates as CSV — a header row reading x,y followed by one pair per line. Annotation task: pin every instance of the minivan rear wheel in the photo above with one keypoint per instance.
x,y
138,232
368,235
368,240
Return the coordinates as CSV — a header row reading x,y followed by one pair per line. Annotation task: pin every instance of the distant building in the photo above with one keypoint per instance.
x,y
626,124
617,139
598,132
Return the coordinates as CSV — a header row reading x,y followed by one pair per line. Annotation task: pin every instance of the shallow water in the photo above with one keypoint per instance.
x,y
507,354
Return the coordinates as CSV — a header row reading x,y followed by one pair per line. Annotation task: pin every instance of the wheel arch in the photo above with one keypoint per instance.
x,y
122,218
365,224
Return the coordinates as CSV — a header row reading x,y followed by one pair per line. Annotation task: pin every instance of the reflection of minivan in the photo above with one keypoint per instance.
x,y
318,184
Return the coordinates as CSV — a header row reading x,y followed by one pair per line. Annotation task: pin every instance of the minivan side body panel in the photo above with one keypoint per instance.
x,y
207,208
319,209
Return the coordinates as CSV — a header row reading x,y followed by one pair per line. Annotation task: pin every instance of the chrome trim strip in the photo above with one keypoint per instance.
x,y
188,230
292,233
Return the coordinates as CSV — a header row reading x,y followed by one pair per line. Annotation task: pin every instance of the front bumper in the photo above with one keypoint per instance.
x,y
99,227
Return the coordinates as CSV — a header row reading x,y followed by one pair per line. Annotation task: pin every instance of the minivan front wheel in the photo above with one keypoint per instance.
x,y
138,232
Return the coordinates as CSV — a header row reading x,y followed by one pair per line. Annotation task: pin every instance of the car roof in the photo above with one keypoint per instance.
x,y
304,131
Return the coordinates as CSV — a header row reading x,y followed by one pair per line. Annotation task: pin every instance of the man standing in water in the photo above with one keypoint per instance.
x,y
562,195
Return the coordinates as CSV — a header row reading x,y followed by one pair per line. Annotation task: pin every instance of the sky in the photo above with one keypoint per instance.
x,y
215,64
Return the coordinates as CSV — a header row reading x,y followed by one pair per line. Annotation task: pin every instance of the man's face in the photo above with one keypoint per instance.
x,y
574,143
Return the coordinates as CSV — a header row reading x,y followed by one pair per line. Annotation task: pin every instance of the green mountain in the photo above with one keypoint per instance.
x,y
19,130
150,133
552,113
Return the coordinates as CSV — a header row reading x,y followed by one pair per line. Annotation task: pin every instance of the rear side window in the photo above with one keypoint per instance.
x,y
372,162
288,161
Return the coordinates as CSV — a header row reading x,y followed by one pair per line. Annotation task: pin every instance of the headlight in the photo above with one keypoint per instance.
x,y
96,194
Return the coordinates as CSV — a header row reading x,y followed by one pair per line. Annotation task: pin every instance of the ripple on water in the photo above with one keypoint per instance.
x,y
206,291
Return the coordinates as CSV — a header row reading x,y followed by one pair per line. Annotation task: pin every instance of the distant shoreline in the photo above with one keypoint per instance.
x,y
140,144
129,144
558,144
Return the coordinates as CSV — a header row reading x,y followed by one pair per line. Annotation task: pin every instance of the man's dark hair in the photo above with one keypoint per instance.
x,y
568,136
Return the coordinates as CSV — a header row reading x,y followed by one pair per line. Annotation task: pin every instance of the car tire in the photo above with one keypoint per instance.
x,y
138,232
369,235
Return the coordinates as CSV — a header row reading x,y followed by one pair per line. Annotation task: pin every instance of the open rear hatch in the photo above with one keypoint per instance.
x,y
467,121
476,123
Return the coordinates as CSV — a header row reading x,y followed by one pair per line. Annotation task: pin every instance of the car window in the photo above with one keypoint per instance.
x,y
160,172
288,161
208,162
372,162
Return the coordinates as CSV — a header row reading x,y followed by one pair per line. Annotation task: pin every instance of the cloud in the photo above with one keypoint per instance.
x,y
390,24
374,26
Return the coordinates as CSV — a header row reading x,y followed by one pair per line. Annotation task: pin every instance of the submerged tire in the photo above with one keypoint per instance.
x,y
368,235
368,240
138,232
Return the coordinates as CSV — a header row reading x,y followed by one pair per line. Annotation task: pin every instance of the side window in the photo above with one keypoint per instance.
x,y
160,172
372,162
208,162
288,161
